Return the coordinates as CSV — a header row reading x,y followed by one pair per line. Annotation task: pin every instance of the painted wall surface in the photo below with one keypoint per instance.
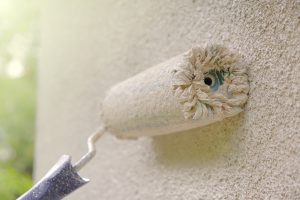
x,y
88,46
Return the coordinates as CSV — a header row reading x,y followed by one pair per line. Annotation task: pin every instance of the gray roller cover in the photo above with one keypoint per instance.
x,y
199,87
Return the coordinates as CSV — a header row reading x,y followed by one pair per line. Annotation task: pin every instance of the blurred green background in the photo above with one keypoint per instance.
x,y
18,30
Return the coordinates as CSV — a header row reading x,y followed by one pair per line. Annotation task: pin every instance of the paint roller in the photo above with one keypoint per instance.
x,y
194,89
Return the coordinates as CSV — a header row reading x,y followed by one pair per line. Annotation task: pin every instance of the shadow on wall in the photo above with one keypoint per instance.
x,y
209,145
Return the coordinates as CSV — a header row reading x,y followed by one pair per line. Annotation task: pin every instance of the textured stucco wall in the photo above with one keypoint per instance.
x,y
88,46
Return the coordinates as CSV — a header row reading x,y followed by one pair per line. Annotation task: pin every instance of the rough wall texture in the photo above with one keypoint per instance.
x,y
88,46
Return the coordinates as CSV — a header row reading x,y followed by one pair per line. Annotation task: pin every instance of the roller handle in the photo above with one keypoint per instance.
x,y
63,179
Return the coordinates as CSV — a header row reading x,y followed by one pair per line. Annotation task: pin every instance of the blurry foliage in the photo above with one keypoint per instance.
x,y
13,183
18,22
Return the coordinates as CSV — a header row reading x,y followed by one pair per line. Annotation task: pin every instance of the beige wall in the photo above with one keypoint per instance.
x,y
88,46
